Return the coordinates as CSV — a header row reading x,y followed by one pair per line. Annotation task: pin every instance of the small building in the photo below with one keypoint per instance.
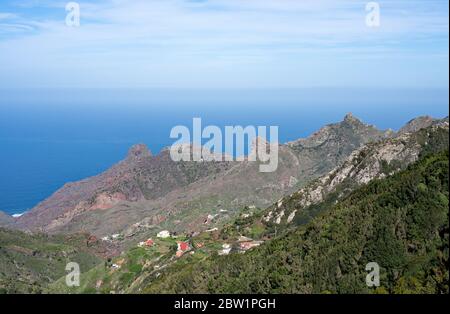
x,y
149,243
116,236
115,266
179,253
246,243
183,246
226,249
163,234
199,245
244,246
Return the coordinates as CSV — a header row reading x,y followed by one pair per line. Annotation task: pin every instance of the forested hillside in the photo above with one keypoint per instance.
x,y
400,222
29,262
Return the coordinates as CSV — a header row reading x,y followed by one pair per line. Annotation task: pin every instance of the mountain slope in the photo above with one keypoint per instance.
x,y
420,123
373,160
5,219
400,222
368,163
28,263
333,143
152,192
138,177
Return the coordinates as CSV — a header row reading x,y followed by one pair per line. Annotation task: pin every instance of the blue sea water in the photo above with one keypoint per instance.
x,y
50,137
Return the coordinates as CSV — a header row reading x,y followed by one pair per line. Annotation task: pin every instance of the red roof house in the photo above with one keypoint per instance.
x,y
183,246
149,242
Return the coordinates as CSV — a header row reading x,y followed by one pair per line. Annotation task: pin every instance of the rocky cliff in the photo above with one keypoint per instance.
x,y
372,161
145,192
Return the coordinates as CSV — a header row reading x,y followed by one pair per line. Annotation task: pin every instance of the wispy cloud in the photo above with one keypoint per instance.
x,y
219,42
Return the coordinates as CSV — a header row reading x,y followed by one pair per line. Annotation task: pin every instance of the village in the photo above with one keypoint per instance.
x,y
166,247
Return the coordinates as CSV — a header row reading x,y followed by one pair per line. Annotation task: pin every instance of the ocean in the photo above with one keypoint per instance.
x,y
51,137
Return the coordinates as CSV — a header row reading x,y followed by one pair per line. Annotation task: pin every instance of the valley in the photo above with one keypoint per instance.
x,y
150,225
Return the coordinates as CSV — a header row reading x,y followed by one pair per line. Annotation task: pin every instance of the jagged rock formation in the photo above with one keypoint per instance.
x,y
139,152
418,123
144,191
371,161
333,143
138,177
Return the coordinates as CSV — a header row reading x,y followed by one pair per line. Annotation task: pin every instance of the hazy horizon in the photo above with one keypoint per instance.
x,y
74,97
49,139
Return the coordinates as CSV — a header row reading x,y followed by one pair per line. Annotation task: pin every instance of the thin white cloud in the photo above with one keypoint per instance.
x,y
6,15
163,41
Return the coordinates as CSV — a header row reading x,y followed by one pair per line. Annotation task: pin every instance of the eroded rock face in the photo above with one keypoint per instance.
x,y
416,124
148,190
374,160
138,152
138,177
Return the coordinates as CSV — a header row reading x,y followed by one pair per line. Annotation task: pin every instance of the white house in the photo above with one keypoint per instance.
x,y
226,248
163,234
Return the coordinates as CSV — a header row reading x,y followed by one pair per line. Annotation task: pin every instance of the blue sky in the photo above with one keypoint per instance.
x,y
224,44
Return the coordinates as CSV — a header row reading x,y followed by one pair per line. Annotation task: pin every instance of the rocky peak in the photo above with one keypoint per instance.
x,y
351,119
416,124
364,164
350,132
138,151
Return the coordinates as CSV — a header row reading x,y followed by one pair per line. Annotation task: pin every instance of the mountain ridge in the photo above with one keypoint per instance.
x,y
289,206
152,191
408,239
371,161
132,180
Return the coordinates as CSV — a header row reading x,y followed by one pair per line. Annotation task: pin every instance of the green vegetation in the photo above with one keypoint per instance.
x,y
400,222
118,275
28,263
